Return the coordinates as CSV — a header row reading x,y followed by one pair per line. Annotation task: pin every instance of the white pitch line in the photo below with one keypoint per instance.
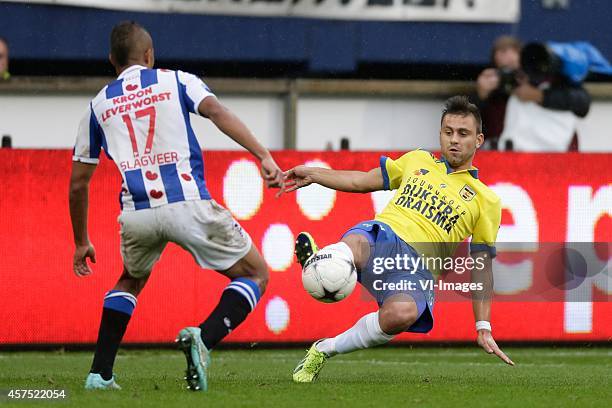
x,y
406,363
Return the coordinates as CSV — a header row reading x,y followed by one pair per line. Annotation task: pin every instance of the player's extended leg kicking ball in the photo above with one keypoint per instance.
x,y
329,275
438,204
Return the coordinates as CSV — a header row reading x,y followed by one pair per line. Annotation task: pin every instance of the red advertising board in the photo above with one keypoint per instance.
x,y
547,199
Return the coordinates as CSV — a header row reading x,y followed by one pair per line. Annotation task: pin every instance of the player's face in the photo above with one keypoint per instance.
x,y
459,139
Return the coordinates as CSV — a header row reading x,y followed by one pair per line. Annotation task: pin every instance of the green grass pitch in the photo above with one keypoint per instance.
x,y
419,376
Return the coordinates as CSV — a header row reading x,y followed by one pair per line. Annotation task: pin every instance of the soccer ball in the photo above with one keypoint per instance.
x,y
329,276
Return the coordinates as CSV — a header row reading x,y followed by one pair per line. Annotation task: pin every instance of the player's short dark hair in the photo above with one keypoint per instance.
x,y
461,105
122,41
5,41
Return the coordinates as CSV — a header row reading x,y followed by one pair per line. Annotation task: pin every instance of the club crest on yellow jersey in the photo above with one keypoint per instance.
x,y
466,193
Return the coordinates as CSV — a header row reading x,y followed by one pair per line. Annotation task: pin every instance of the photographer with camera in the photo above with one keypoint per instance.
x,y
525,78
494,86
542,112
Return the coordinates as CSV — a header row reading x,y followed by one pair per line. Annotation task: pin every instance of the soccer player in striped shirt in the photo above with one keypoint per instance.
x,y
438,204
142,121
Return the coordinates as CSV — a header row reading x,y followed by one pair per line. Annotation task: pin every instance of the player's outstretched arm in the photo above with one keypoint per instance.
x,y
341,180
481,303
79,202
231,125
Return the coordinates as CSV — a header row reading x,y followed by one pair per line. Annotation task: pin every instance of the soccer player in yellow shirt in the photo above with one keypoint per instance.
x,y
438,203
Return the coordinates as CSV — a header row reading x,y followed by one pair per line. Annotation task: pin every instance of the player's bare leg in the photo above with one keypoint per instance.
x,y
249,279
397,314
119,303
251,266
360,248
127,283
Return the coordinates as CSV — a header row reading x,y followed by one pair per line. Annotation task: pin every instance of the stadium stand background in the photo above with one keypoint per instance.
x,y
289,78
61,40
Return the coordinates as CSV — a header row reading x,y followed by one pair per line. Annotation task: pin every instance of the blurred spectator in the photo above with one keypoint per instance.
x,y
4,60
542,113
494,86
345,143
547,95
7,142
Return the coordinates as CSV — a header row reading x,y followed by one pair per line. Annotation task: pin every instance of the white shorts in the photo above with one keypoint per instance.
x,y
202,227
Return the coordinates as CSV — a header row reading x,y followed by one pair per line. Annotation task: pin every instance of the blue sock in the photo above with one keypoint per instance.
x,y
239,298
118,308
247,288
120,301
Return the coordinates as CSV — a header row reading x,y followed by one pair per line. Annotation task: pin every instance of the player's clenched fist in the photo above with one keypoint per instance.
x,y
79,263
271,172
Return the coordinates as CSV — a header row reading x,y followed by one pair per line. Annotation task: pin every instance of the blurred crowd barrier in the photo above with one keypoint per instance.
x,y
303,114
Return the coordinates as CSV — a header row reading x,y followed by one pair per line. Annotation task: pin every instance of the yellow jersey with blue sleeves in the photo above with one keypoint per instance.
x,y
435,208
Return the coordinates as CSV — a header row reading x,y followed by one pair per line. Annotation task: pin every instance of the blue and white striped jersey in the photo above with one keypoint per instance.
x,y
141,120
